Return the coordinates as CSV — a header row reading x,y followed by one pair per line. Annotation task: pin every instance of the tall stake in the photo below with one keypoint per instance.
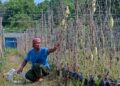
x,y
1,38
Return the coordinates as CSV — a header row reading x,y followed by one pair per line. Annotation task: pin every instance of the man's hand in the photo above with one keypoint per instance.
x,y
56,46
19,70
21,67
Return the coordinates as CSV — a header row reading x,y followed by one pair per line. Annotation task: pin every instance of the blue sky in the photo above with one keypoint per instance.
x,y
36,1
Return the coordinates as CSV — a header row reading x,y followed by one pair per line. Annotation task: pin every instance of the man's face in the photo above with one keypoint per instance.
x,y
36,43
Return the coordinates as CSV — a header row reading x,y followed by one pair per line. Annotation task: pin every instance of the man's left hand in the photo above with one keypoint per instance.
x,y
56,45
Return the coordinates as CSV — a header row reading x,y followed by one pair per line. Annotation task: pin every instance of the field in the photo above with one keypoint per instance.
x,y
88,66
88,32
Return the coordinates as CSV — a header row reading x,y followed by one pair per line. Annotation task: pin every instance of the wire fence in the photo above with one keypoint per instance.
x,y
76,40
89,42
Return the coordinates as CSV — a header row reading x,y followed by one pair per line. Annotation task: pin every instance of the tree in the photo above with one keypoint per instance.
x,y
19,10
22,21
43,6
58,9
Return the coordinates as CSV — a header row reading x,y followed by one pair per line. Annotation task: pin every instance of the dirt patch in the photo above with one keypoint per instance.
x,y
14,59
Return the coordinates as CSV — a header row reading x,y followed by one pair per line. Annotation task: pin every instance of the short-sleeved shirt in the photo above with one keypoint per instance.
x,y
40,56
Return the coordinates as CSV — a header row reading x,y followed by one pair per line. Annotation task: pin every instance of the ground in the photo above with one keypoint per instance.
x,y
13,61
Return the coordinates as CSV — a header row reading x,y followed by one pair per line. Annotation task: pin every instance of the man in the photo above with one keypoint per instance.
x,y
39,59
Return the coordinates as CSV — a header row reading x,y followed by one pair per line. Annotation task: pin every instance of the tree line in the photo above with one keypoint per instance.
x,y
19,15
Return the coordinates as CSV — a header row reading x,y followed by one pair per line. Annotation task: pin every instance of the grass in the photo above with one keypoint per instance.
x,y
88,63
13,60
95,64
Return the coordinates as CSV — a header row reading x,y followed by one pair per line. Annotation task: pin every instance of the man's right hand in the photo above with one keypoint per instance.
x,y
19,70
21,67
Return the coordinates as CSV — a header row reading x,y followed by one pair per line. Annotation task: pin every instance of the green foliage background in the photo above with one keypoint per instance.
x,y
19,15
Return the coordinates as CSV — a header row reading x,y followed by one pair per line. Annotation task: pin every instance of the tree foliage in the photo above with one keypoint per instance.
x,y
21,14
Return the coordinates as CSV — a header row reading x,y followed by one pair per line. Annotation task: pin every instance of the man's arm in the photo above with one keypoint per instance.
x,y
51,50
22,66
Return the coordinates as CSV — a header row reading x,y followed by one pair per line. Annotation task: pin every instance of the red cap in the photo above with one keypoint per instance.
x,y
36,40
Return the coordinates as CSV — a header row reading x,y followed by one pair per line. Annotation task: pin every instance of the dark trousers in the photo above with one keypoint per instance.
x,y
36,72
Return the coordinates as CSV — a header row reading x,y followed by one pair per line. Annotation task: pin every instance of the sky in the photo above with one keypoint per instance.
x,y
36,1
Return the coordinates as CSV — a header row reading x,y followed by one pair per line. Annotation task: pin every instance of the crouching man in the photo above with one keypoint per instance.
x,y
38,56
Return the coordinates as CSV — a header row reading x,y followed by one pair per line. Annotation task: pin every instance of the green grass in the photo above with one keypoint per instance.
x,y
10,52
85,64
